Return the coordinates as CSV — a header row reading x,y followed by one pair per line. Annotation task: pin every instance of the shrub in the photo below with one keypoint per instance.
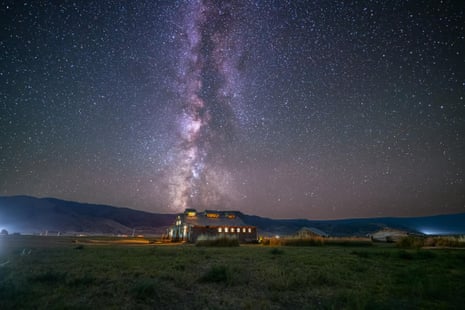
x,y
411,242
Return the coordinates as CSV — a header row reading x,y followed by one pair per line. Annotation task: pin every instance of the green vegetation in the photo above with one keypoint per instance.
x,y
57,273
217,274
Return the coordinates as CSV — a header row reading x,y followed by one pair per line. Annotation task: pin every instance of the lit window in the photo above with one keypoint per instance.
x,y
250,230
243,230
232,229
226,229
220,229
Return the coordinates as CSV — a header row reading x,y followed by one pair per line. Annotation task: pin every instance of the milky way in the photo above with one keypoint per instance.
x,y
205,84
313,109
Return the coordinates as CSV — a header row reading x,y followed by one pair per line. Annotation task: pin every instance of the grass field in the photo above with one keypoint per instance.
x,y
57,273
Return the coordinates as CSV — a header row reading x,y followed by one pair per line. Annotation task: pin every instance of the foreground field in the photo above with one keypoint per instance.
x,y
57,273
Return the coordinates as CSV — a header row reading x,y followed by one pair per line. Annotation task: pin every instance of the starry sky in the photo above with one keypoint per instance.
x,y
285,109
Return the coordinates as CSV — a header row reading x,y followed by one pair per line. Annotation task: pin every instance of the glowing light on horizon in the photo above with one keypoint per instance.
x,y
434,231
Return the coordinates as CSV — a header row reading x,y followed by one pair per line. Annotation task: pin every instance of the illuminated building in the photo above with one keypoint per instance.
x,y
191,224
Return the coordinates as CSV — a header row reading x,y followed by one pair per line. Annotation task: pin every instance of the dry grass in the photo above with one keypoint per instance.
x,y
102,241
317,241
417,242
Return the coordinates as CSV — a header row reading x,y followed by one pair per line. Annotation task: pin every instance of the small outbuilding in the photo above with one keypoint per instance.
x,y
388,235
310,232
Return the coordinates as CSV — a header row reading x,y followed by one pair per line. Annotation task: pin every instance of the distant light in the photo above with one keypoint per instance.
x,y
432,231
10,229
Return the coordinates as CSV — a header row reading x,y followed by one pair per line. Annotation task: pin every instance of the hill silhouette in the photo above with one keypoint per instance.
x,y
25,214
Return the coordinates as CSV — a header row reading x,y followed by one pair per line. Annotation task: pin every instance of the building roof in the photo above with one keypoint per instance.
x,y
389,232
212,218
313,230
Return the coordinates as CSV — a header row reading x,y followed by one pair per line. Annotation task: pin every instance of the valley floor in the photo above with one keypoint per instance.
x,y
60,273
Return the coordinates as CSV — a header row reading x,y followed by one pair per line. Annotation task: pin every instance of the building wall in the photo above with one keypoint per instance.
x,y
388,235
250,234
179,231
307,234
189,227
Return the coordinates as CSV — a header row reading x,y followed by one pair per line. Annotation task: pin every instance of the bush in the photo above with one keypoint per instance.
x,y
411,242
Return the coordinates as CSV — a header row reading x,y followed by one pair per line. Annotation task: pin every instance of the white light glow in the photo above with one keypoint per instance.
x,y
434,231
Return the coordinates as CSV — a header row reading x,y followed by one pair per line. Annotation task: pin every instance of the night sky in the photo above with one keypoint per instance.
x,y
286,109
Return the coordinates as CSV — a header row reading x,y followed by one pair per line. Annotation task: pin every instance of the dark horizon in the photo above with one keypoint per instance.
x,y
31,215
285,109
249,214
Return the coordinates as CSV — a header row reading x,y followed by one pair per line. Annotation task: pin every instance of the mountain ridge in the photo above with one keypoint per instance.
x,y
27,214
